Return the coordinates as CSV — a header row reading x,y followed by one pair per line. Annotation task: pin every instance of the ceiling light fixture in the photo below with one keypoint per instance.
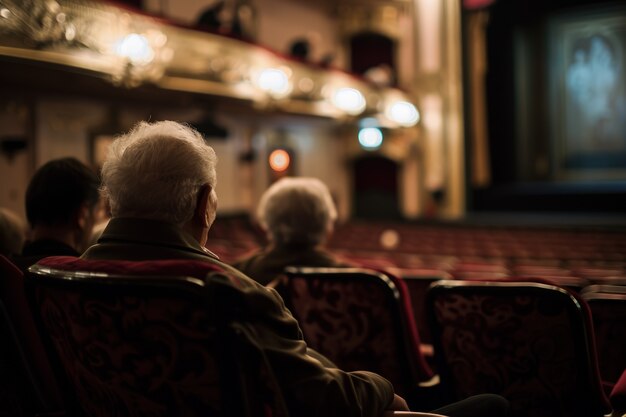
x,y
349,100
403,113
135,48
275,82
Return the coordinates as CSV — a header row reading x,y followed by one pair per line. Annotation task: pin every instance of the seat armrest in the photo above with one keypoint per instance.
x,y
618,395
431,383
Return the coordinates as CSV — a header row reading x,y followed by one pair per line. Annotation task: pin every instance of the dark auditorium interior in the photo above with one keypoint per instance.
x,y
474,149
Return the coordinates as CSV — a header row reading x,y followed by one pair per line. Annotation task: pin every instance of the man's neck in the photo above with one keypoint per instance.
x,y
58,233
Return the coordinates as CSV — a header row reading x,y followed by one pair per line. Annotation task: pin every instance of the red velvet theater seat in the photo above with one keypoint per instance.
x,y
27,383
361,320
529,342
149,338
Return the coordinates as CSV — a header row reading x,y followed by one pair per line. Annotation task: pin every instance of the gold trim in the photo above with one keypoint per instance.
x,y
131,49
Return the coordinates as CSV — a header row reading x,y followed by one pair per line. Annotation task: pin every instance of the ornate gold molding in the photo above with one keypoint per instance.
x,y
129,49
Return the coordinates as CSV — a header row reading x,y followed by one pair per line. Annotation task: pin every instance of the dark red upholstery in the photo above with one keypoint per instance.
x,y
148,342
417,281
358,318
408,318
618,395
608,310
528,342
27,382
175,267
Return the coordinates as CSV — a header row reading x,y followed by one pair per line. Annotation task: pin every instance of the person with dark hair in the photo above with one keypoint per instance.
x,y
300,48
61,203
233,18
211,18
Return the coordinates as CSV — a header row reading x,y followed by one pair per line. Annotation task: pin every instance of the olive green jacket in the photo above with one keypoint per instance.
x,y
268,264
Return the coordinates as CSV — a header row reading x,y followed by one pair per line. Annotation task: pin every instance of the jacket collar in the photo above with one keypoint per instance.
x,y
151,232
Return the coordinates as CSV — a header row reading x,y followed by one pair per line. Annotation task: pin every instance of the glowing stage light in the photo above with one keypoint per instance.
x,y
279,160
370,138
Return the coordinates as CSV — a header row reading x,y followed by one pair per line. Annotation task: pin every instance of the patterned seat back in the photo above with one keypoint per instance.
x,y
149,345
18,388
356,319
529,342
608,310
27,384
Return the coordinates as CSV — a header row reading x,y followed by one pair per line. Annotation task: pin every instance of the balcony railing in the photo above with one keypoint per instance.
x,y
130,49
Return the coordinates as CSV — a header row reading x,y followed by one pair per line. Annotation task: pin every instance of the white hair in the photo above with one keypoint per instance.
x,y
156,170
297,210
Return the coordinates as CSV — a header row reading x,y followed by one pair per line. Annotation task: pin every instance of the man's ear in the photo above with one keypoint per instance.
x,y
202,213
82,216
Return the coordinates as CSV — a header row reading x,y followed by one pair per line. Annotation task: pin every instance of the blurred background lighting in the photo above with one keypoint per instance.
x,y
370,138
369,122
306,85
136,48
403,113
349,100
274,81
389,239
279,160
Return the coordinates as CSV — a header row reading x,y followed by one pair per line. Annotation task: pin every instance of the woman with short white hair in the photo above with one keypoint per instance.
x,y
298,216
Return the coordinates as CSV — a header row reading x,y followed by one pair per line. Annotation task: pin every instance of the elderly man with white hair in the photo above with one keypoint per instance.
x,y
298,215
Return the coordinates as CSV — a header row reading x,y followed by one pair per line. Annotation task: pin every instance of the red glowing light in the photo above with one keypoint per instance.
x,y
279,160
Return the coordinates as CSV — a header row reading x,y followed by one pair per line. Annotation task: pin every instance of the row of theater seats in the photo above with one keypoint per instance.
x,y
421,254
561,251
124,338
531,342
571,257
550,369
565,246
113,334
591,264
465,251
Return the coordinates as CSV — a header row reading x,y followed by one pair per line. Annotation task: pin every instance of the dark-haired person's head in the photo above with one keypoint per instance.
x,y
61,200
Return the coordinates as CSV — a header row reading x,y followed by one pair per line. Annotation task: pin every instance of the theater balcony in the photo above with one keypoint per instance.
x,y
78,47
